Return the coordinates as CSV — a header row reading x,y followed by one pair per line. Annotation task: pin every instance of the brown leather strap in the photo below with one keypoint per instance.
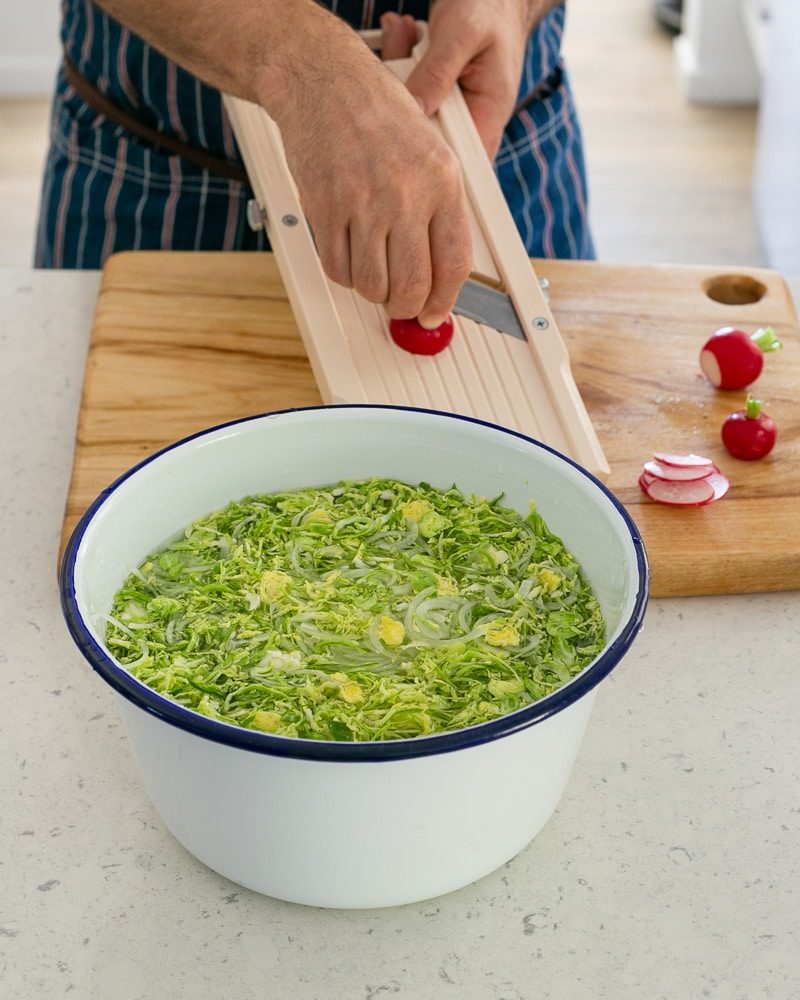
x,y
103,106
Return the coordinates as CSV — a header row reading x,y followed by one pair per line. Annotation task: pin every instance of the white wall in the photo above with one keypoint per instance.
x,y
777,188
715,56
29,46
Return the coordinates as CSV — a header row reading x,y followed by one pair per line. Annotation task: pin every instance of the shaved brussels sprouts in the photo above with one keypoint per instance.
x,y
368,610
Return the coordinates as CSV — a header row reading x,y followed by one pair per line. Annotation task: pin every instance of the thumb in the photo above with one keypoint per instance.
x,y
490,120
437,72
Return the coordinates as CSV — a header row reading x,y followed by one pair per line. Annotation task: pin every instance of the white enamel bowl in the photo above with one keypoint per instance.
x,y
343,824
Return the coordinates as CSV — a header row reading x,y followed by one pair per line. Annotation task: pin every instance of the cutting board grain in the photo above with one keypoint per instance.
x,y
184,341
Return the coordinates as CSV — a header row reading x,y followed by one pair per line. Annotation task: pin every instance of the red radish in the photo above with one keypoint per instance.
x,y
731,359
689,461
678,474
416,339
691,494
749,434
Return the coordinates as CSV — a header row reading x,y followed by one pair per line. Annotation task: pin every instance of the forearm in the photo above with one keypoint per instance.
x,y
255,49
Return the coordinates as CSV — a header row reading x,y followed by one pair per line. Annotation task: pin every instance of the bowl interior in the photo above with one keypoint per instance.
x,y
158,499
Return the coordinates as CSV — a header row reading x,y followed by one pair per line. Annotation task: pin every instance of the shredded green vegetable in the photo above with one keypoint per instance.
x,y
366,611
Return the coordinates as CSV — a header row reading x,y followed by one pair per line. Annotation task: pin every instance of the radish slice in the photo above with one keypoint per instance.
x,y
676,473
645,480
719,483
681,461
691,494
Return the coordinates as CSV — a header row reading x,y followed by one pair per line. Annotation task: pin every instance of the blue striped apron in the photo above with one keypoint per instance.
x,y
105,190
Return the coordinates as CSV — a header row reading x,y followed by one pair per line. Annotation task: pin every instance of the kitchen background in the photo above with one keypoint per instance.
x,y
671,868
671,179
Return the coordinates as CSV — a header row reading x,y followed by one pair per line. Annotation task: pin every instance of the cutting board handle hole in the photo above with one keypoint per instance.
x,y
735,289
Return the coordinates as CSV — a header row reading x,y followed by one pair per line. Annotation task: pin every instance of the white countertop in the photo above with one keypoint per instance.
x,y
670,870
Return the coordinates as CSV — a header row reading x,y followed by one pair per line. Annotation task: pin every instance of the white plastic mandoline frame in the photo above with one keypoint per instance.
x,y
527,386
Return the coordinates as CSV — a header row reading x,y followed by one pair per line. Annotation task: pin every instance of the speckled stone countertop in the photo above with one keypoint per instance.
x,y
670,870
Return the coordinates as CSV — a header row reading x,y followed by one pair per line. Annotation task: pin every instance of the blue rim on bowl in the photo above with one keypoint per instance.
x,y
251,740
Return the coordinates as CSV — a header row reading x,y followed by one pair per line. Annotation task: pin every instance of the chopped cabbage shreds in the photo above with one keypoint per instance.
x,y
362,611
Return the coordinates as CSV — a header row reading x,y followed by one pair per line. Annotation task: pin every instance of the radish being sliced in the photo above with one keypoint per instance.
x,y
677,473
691,494
689,461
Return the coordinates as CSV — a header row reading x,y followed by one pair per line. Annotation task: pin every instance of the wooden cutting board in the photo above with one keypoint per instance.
x,y
185,341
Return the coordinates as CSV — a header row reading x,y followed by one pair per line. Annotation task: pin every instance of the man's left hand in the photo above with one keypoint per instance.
x,y
479,44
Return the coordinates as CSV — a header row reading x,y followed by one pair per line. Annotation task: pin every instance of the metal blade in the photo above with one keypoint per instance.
x,y
486,305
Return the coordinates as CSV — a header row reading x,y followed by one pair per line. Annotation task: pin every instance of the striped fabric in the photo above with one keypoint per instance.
x,y
105,190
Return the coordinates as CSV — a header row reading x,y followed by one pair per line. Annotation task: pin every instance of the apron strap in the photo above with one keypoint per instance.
x,y
98,102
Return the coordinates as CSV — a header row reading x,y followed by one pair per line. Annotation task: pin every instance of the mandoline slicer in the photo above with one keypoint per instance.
x,y
525,385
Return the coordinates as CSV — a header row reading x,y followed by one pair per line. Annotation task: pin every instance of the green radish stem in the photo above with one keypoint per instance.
x,y
766,339
752,407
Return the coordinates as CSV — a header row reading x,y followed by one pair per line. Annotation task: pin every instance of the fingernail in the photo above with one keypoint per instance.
x,y
429,322
422,105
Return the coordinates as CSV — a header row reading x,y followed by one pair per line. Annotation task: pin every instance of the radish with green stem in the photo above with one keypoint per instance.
x,y
732,359
749,434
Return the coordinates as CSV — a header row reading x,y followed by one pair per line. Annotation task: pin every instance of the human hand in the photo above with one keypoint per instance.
x,y
398,35
381,189
479,44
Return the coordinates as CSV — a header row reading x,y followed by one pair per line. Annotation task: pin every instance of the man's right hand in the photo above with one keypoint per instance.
x,y
381,189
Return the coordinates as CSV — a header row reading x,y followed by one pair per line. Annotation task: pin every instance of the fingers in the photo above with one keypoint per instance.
x,y
417,264
394,271
411,32
414,270
451,262
410,276
368,264
333,246
398,36
482,53
439,69
490,117
380,187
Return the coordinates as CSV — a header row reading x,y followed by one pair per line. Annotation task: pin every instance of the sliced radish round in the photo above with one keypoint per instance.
x,y
691,494
677,473
689,461
719,483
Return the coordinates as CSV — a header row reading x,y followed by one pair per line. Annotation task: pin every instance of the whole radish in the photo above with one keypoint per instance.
x,y
749,433
732,359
